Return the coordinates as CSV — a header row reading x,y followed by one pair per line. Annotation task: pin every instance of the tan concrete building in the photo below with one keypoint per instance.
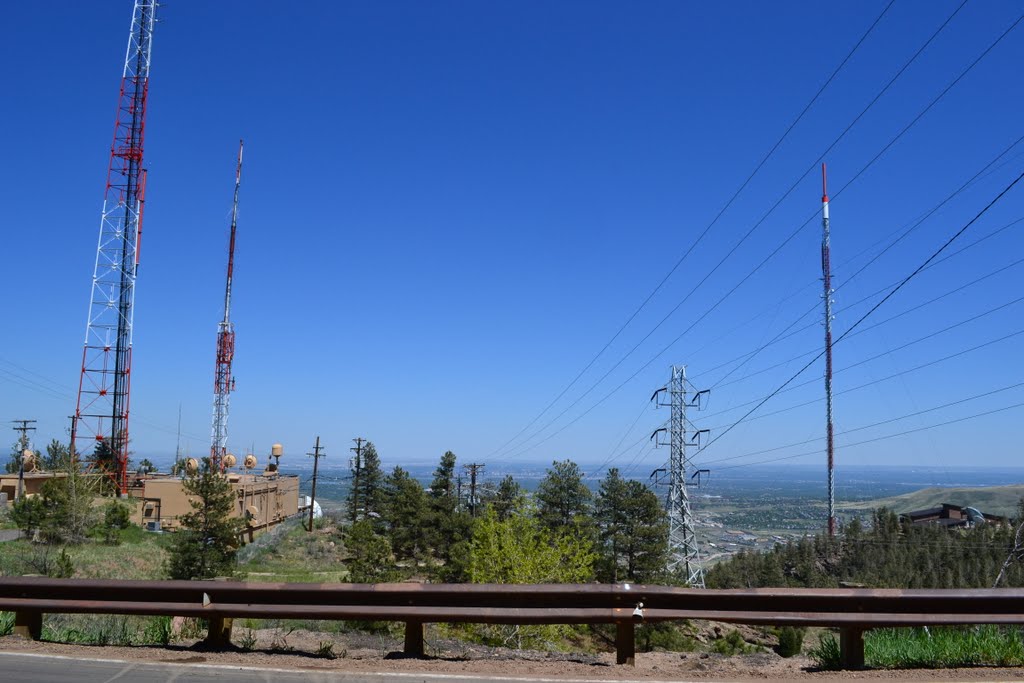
x,y
159,500
262,500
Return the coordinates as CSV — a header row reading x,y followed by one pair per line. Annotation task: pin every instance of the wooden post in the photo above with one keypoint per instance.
x,y
414,639
625,643
28,624
219,635
851,647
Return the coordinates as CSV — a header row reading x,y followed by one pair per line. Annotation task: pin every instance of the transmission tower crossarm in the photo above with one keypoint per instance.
x,y
224,381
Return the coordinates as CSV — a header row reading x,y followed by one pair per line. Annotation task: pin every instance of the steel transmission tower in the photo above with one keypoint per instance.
x,y
224,381
826,278
682,539
101,413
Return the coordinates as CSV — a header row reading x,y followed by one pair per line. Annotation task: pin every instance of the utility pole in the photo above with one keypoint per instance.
x,y
473,468
357,465
71,450
316,455
24,428
826,273
682,539
177,445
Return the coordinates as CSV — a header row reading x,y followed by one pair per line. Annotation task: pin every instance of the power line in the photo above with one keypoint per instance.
x,y
908,311
901,373
869,426
714,221
763,262
876,439
874,308
785,333
902,236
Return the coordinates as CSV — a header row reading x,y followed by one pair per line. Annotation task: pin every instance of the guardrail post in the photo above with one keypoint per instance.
x,y
28,624
413,639
625,643
219,635
851,647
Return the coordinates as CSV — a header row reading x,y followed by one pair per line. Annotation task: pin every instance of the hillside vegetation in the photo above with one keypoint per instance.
x,y
995,500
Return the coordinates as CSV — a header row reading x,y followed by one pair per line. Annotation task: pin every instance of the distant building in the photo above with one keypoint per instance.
x,y
951,516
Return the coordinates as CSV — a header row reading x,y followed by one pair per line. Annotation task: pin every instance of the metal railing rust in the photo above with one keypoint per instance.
x,y
852,610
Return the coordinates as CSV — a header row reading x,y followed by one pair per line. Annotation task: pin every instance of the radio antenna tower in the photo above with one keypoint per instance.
x,y
682,539
826,273
224,381
101,411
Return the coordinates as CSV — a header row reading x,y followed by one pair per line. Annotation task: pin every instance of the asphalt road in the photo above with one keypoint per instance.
x,y
35,668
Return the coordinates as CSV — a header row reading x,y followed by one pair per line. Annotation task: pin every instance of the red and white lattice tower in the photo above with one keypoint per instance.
x,y
100,428
224,381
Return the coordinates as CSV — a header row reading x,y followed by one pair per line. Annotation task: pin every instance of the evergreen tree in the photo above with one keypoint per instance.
x,y
56,455
29,514
405,514
205,545
366,498
449,527
370,556
69,500
563,500
632,531
508,499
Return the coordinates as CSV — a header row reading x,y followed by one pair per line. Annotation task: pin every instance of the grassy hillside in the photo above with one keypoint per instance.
x,y
996,500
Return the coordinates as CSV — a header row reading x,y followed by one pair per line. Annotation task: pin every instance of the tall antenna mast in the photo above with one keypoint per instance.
x,y
101,412
224,381
826,272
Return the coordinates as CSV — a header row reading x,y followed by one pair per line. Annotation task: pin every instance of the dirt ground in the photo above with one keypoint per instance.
x,y
361,652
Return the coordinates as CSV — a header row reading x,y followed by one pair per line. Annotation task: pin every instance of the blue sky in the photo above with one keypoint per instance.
x,y
448,208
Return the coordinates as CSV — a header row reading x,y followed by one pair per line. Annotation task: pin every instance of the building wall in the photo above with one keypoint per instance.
x,y
261,500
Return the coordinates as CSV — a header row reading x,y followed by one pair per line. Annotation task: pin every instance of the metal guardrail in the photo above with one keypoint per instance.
x,y
853,611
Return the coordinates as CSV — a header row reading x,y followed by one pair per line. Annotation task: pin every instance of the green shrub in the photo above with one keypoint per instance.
x,y
732,644
158,631
791,641
664,636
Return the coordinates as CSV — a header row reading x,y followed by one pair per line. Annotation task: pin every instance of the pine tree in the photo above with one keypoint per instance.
x,y
69,500
564,501
366,498
508,499
56,455
449,527
632,531
370,557
405,514
205,545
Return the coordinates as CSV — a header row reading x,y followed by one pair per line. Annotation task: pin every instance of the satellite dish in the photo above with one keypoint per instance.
x,y
28,460
229,460
975,515
252,514
191,465
249,462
